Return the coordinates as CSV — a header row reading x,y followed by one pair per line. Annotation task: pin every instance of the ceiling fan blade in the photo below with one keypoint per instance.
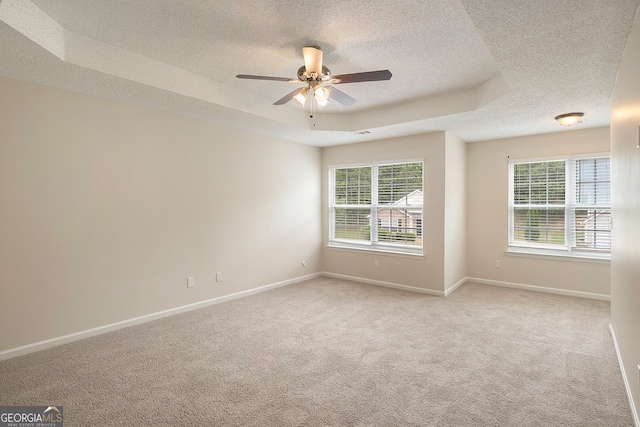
x,y
288,97
367,76
312,60
279,79
340,96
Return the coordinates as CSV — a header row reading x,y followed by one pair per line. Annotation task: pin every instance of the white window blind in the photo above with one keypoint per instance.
x,y
377,206
591,204
561,205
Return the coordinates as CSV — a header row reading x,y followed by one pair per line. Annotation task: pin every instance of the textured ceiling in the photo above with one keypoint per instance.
x,y
480,69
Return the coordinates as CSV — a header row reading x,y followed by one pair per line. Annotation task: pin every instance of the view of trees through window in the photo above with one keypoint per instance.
x,y
566,203
539,200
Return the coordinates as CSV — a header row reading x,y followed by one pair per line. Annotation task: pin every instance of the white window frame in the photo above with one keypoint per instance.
x,y
569,249
374,244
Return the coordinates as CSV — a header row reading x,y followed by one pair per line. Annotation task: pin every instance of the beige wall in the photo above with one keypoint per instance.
x,y
455,217
487,204
105,209
423,272
625,256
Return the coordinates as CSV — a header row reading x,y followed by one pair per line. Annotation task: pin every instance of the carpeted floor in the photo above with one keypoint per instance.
x,y
335,353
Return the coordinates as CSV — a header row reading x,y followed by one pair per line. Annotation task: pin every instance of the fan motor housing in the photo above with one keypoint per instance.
x,y
303,77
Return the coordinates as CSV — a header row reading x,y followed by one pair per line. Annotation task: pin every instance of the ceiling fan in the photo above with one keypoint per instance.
x,y
317,78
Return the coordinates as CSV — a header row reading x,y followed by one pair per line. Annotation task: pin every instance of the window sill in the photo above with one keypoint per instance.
x,y
594,258
378,249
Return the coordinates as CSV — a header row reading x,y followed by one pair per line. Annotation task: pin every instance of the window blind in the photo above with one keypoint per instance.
x,y
591,208
560,204
378,205
538,208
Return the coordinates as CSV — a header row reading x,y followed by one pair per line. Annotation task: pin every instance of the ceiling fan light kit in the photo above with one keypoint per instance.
x,y
301,96
320,92
315,75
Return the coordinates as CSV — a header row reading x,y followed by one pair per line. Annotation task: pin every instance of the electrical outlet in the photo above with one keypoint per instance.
x,y
496,263
304,263
376,263
191,282
218,277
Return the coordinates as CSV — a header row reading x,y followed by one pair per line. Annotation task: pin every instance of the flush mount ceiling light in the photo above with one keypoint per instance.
x,y
569,118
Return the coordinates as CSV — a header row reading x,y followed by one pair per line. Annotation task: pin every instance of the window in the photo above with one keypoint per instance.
x,y
561,205
377,206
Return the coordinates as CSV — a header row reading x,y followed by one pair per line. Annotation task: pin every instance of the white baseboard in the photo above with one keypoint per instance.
x,y
455,286
578,294
636,420
384,284
53,342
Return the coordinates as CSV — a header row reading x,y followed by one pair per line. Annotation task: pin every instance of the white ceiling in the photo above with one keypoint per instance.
x,y
480,69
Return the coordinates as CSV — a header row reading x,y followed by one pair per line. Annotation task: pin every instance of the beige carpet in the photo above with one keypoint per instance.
x,y
334,353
